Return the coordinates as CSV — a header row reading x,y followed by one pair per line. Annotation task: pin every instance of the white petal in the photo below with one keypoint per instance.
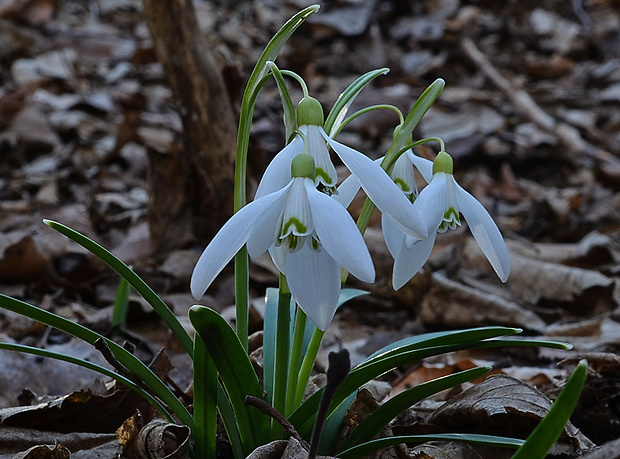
x,y
339,235
485,232
381,189
278,256
278,172
314,280
326,172
394,238
347,191
424,165
411,260
403,173
229,239
431,202
265,229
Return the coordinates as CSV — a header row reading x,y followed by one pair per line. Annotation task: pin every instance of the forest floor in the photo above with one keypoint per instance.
x,y
530,113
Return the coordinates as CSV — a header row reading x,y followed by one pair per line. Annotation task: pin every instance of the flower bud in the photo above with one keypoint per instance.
x,y
309,112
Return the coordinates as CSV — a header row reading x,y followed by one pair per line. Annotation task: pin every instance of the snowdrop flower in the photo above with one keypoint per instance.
x,y
374,181
440,205
311,235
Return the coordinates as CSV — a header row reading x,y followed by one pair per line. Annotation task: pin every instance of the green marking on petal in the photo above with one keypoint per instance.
x,y
451,220
443,163
300,228
320,173
309,112
402,185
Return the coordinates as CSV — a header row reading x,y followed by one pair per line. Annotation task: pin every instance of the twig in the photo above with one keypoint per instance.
x,y
276,415
567,135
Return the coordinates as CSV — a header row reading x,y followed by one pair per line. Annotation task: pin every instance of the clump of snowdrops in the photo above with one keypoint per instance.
x,y
299,216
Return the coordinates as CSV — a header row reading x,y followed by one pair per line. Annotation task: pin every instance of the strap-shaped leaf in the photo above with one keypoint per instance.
x,y
205,401
133,279
380,418
236,372
374,445
546,433
369,370
91,366
341,107
131,362
290,122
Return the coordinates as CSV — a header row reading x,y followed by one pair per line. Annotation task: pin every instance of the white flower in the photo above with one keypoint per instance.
x,y
375,182
440,204
310,236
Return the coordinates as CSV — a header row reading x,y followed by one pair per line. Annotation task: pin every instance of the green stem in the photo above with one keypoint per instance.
x,y
366,110
307,364
295,362
242,300
283,327
299,79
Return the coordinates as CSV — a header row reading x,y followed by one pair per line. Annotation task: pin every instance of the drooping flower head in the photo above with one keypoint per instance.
x,y
375,182
309,235
441,204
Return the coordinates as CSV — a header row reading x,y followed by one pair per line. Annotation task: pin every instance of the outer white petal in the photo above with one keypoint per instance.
x,y
265,229
431,202
339,235
278,256
229,239
380,189
394,238
347,191
411,260
278,172
424,165
485,232
314,280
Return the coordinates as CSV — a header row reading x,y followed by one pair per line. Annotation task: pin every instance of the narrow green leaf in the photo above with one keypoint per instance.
x,y
441,338
121,304
131,362
133,279
379,364
378,419
339,110
417,112
374,445
91,366
290,123
272,49
205,402
236,373
547,432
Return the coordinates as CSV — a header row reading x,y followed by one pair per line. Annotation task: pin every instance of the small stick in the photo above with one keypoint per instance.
x,y
567,135
276,415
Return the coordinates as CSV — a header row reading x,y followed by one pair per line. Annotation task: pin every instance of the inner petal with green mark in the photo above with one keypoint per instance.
x,y
296,221
451,220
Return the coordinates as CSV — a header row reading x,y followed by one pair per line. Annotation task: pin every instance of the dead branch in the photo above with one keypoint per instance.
x,y
576,147
191,189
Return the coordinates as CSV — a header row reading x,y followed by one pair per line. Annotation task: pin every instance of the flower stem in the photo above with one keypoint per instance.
x,y
307,364
281,353
295,362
